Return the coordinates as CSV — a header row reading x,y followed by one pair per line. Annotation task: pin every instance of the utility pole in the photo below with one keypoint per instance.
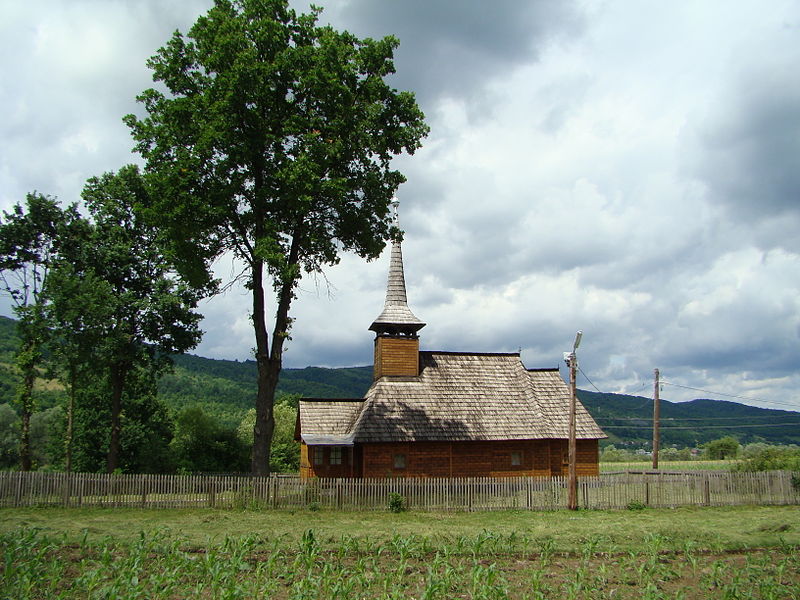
x,y
572,362
656,417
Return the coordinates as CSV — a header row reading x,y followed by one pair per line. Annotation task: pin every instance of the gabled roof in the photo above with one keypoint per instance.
x,y
456,397
328,422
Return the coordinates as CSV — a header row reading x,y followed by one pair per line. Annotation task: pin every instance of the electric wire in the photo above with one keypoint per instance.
x,y
748,418
587,379
675,427
750,398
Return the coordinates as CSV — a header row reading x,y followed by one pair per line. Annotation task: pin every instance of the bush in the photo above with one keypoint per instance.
x,y
636,505
772,458
725,447
397,503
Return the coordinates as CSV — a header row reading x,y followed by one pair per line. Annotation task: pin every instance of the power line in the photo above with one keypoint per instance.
x,y
674,427
689,418
589,380
687,387
751,399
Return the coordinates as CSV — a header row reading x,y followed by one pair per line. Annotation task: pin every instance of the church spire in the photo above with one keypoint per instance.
x,y
396,318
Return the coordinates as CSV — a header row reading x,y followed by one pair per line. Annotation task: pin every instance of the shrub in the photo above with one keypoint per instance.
x,y
772,458
636,505
725,447
397,503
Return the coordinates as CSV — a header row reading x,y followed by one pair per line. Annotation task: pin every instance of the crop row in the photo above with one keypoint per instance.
x,y
160,565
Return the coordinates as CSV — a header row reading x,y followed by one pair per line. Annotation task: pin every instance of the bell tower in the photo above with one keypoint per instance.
x,y
396,339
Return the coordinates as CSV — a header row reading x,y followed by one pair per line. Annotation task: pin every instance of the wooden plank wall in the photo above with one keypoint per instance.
x,y
479,459
617,491
396,356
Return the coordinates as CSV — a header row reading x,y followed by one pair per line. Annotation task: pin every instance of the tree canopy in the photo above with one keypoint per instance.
x,y
273,142
31,237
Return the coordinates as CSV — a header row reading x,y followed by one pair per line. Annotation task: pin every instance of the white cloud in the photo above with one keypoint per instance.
x,y
629,169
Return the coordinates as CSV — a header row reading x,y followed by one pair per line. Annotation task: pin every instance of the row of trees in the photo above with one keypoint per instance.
x,y
724,448
189,441
99,308
269,139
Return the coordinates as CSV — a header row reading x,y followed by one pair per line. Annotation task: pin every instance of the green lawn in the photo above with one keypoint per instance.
x,y
730,552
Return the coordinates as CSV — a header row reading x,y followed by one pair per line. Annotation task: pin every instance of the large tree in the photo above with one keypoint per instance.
x,y
30,239
124,299
272,142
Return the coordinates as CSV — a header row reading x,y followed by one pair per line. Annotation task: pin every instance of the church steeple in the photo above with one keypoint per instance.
x,y
396,341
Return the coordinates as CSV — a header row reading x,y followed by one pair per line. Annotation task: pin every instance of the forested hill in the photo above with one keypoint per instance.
x,y
629,419
226,390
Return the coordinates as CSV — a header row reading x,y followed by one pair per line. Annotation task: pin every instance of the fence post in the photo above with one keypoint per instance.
x,y
18,490
143,481
66,488
706,491
212,493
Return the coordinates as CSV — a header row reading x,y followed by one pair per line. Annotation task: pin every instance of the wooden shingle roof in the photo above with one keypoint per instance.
x,y
328,422
396,316
456,397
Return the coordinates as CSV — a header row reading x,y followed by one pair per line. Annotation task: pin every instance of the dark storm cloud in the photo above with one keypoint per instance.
x,y
750,149
449,49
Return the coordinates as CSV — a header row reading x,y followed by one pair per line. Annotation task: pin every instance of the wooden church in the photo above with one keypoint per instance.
x,y
443,414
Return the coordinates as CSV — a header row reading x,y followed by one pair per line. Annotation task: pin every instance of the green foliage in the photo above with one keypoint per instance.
x,y
722,448
9,437
202,445
146,427
273,142
116,306
397,503
675,454
31,238
613,454
285,454
771,458
155,564
45,430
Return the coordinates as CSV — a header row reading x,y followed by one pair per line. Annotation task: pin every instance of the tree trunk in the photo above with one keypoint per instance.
x,y
265,395
117,374
25,461
26,408
269,365
70,421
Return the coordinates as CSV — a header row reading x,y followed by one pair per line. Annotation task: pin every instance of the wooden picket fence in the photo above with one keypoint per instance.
x,y
608,491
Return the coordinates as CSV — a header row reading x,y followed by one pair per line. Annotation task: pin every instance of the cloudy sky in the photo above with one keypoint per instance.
x,y
630,169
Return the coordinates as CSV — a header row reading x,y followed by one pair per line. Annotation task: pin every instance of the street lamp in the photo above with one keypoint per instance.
x,y
572,362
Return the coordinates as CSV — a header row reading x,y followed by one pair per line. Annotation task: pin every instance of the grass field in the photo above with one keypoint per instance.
x,y
731,552
677,465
